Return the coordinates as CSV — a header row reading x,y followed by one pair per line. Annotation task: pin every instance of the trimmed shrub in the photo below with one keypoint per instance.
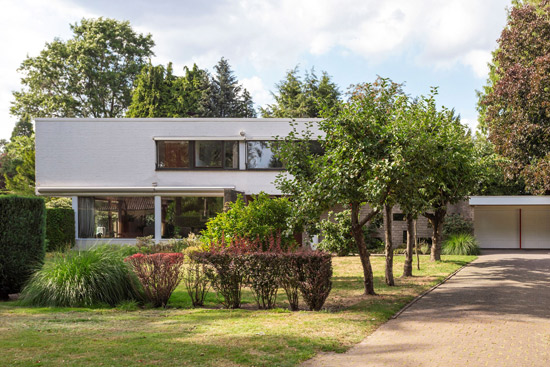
x,y
261,218
86,278
196,282
159,275
264,274
60,229
22,240
226,271
456,224
313,269
461,244
289,281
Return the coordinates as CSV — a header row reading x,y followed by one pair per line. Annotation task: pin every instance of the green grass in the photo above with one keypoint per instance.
x,y
180,336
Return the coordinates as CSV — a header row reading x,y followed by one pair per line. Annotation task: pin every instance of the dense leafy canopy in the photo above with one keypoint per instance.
x,y
160,93
90,75
514,105
307,98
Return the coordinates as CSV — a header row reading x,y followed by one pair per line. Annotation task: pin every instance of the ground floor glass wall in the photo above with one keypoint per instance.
x,y
116,217
184,215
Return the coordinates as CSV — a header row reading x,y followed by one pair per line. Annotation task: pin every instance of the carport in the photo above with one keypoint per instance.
x,y
512,222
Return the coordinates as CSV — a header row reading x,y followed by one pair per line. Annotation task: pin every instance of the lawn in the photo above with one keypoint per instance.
x,y
181,336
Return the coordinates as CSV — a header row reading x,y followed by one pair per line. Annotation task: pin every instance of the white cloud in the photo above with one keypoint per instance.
x,y
257,89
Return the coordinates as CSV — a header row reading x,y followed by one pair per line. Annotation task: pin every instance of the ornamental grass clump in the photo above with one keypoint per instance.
x,y
82,279
461,244
159,275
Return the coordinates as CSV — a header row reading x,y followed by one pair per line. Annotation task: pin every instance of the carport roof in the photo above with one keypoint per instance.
x,y
510,200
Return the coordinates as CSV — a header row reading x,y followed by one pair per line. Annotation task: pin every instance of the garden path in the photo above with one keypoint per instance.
x,y
494,312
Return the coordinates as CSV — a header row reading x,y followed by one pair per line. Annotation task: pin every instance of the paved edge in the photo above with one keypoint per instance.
x,y
421,295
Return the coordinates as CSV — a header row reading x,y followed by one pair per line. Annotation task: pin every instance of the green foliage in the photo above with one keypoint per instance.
x,y
297,98
492,177
337,235
261,218
53,202
461,244
23,127
457,224
60,229
22,240
89,75
514,104
17,165
159,93
147,245
225,97
82,279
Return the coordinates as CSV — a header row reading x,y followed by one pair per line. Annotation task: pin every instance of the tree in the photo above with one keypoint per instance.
x,y
17,165
514,106
295,98
90,75
451,173
159,93
355,168
23,127
225,97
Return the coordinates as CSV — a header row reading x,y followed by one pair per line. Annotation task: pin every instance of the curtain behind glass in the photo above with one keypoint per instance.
x,y
86,218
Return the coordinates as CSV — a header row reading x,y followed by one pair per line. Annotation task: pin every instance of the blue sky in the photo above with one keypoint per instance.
x,y
422,43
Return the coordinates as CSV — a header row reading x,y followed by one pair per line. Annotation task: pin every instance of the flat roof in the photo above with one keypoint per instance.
x,y
510,200
177,119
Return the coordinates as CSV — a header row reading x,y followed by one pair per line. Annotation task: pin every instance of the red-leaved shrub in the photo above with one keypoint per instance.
x,y
313,272
159,274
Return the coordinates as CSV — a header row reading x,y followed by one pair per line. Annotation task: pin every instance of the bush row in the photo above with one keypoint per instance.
x,y
245,263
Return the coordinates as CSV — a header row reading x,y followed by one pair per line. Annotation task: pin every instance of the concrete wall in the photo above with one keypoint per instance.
x,y
122,152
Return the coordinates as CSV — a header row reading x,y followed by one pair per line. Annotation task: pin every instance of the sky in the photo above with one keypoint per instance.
x,y
421,43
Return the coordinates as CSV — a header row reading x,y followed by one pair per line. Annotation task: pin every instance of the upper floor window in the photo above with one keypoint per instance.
x,y
213,154
260,155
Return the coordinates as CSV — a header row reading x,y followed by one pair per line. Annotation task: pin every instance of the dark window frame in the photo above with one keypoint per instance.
x,y
192,163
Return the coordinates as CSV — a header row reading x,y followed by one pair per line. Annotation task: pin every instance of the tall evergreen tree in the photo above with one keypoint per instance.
x,y
226,97
307,98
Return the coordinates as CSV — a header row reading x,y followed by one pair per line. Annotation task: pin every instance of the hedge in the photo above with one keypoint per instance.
x,y
22,240
59,229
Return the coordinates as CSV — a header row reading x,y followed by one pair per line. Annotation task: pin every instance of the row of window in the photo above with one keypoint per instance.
x,y
214,154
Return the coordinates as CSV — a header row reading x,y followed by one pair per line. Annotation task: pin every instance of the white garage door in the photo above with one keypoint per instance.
x,y
497,227
535,227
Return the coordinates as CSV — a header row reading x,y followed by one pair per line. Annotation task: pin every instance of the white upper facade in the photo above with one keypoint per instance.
x,y
119,156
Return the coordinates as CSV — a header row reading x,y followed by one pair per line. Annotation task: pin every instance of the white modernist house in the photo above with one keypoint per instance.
x,y
512,222
137,177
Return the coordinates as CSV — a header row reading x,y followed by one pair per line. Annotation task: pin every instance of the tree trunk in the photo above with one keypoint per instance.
x,y
364,254
411,235
436,219
416,247
389,246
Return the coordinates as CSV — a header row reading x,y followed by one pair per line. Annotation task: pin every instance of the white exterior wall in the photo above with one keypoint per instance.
x,y
122,152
